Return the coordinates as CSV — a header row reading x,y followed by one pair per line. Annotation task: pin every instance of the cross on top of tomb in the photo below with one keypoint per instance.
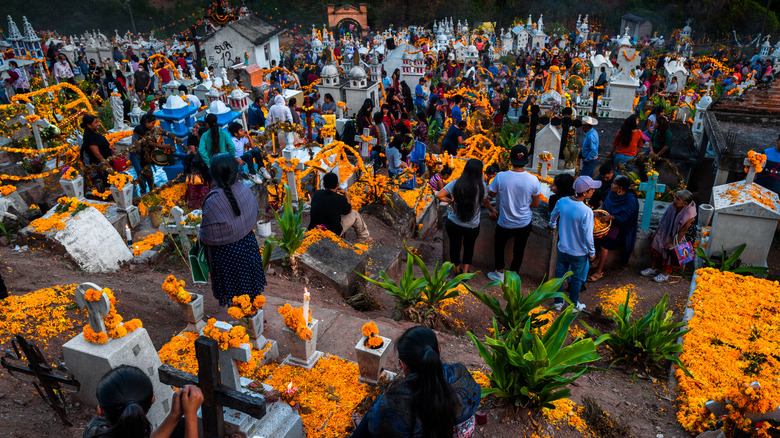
x,y
96,310
650,188
216,394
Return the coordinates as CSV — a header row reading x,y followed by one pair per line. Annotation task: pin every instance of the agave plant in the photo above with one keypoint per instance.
x,y
519,306
408,292
647,340
291,225
533,369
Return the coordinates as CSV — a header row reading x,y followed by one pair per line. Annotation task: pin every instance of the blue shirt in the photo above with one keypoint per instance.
x,y
590,145
772,155
419,95
457,115
256,116
575,228
386,83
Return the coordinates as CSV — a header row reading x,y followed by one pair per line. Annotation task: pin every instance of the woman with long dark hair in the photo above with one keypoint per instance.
x,y
660,144
627,141
465,195
622,209
229,214
214,141
363,118
125,395
95,149
433,400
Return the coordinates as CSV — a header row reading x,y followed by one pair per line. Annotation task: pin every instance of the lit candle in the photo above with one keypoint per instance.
x,y
128,236
306,298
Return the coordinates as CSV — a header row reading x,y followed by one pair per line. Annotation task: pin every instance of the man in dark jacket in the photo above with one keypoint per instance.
x,y
329,207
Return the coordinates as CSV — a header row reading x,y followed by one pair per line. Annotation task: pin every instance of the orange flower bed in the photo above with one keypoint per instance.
x,y
41,315
611,298
170,196
734,340
148,243
68,207
316,234
411,197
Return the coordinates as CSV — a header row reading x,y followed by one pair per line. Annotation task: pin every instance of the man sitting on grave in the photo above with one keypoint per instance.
x,y
329,207
124,397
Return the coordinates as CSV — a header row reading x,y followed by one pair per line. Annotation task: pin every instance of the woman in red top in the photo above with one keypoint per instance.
x,y
627,141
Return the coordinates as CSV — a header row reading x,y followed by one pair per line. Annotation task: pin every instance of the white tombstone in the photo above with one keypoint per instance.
x,y
89,361
676,68
548,139
744,213
365,146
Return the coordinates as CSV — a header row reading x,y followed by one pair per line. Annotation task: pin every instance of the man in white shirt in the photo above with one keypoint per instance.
x,y
192,100
518,192
471,73
62,70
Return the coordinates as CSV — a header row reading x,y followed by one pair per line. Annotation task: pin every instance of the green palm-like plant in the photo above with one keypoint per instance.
x,y
647,340
519,306
436,287
728,264
291,225
408,293
533,369
268,249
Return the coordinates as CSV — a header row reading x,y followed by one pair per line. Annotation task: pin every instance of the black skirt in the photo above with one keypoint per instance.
x,y
236,269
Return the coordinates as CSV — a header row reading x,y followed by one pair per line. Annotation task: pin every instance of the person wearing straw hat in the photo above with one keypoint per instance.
x,y
590,146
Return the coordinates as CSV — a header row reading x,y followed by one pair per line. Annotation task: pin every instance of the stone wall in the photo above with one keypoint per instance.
x,y
758,100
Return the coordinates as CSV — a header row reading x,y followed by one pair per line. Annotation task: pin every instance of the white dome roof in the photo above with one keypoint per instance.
x,y
472,48
217,107
406,55
419,55
174,102
357,72
238,93
316,43
330,70
704,103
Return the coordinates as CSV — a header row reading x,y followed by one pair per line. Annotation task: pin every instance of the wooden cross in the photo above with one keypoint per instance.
x,y
650,187
50,382
228,366
307,116
96,310
533,120
216,395
365,146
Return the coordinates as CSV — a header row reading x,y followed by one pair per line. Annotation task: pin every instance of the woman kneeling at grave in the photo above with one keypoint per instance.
x,y
124,397
235,261
433,400
671,231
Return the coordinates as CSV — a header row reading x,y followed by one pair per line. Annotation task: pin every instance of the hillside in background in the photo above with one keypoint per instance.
x,y
714,19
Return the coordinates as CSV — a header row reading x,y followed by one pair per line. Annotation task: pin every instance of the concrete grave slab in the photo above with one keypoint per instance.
x,y
89,239
89,362
335,264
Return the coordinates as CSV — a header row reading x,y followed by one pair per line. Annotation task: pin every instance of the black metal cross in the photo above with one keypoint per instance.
x,y
50,382
215,394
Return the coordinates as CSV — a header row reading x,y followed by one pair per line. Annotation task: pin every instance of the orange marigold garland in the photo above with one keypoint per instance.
x,y
113,321
293,319
175,290
148,243
70,174
243,306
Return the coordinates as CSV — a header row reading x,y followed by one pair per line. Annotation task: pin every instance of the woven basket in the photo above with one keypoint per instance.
x,y
601,232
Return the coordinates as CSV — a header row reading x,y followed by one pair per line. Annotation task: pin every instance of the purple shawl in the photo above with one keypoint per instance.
x,y
670,225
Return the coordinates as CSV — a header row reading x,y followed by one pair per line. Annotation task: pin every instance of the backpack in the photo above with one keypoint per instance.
x,y
418,152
